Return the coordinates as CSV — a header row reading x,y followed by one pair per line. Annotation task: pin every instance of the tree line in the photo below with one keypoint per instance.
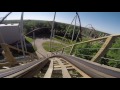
x,y
60,28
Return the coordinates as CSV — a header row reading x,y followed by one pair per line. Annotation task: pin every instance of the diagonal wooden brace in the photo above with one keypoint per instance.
x,y
8,55
103,50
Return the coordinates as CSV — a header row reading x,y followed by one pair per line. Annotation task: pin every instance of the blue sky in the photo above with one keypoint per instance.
x,y
103,21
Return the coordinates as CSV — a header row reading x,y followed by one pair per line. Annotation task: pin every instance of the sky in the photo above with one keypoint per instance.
x,y
108,22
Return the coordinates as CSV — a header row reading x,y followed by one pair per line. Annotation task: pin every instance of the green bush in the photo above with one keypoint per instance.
x,y
82,49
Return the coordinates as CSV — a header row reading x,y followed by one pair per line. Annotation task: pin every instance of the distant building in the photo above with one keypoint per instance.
x,y
9,33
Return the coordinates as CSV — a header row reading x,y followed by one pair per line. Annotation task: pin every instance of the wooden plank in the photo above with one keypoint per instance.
x,y
57,69
64,69
61,68
79,71
57,66
49,71
68,65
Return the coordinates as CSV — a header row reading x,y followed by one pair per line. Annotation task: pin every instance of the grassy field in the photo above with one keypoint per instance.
x,y
30,40
68,41
65,41
56,46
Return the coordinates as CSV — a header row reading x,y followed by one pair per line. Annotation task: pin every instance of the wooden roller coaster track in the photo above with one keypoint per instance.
x,y
60,63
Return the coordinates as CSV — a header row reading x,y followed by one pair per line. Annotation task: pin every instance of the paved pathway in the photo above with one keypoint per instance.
x,y
40,50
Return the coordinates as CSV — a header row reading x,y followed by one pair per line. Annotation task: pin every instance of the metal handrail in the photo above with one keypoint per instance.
x,y
99,48
93,40
86,55
111,59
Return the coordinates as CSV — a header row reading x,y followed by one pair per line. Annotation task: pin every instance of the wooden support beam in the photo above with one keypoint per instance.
x,y
20,50
63,50
50,70
105,47
71,51
8,55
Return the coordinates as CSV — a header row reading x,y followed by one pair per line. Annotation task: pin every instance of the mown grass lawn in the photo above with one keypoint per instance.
x,y
65,41
55,46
